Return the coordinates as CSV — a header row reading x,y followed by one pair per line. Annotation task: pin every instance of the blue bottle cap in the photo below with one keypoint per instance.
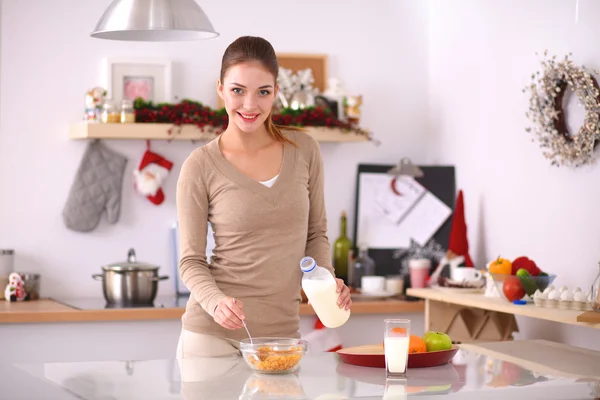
x,y
519,302
307,264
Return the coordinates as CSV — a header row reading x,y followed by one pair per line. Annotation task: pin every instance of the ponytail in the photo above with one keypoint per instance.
x,y
275,130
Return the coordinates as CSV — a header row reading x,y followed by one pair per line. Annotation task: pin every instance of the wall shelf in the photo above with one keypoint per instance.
x,y
160,131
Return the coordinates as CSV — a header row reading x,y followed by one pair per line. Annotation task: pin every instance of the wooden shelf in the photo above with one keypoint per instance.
x,y
500,305
160,131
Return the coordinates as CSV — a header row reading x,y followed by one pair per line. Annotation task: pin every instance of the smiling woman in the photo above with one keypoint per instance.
x,y
261,188
248,85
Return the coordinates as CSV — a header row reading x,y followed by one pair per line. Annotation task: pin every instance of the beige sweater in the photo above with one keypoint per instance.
x,y
261,234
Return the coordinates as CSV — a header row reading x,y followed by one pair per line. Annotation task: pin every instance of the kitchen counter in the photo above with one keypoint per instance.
x,y
520,370
165,307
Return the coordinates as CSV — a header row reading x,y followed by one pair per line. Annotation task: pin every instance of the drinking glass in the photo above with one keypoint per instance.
x,y
396,338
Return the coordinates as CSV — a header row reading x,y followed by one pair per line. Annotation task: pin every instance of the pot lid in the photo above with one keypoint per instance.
x,y
130,265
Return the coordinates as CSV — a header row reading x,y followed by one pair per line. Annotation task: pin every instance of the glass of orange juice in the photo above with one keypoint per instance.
x,y
396,340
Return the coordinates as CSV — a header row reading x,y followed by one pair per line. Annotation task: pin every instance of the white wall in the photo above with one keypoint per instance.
x,y
49,61
481,55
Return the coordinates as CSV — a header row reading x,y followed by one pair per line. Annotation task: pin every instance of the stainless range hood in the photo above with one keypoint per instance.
x,y
154,21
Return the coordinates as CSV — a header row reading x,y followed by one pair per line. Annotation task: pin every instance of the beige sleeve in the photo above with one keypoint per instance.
x,y
192,215
317,242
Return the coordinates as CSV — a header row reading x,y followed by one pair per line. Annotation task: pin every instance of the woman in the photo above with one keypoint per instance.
x,y
261,188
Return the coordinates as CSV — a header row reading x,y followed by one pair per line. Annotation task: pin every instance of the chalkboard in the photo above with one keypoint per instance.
x,y
440,181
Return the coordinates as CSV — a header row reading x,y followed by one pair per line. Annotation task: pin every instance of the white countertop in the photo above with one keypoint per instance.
x,y
477,372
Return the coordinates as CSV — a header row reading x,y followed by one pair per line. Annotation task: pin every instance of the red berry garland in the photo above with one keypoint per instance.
x,y
194,113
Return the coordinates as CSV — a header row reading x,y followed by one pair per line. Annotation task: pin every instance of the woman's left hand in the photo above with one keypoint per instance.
x,y
344,300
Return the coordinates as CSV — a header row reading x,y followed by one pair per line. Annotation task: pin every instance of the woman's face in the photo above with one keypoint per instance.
x,y
248,91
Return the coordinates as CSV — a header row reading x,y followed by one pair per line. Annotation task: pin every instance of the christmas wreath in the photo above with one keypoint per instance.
x,y
190,112
546,112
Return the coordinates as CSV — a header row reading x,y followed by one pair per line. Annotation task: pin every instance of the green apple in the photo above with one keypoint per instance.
x,y
437,341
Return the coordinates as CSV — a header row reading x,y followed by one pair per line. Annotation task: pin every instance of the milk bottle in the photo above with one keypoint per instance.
x,y
321,290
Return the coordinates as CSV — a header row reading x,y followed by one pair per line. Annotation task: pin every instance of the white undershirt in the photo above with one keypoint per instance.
x,y
270,182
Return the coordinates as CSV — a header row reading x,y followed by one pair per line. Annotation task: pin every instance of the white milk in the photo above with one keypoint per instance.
x,y
323,298
320,288
396,354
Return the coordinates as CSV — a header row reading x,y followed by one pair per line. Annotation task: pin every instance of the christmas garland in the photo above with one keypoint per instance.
x,y
195,113
548,117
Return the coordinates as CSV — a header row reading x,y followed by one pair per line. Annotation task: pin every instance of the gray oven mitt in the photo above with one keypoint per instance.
x,y
97,187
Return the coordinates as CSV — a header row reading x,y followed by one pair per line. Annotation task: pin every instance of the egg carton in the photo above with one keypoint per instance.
x,y
563,298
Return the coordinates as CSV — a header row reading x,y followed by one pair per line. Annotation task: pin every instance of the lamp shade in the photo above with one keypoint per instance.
x,y
154,21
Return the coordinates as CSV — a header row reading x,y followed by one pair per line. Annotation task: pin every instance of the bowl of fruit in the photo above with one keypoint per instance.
x,y
518,280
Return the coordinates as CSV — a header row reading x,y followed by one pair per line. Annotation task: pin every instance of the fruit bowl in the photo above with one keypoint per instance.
x,y
273,355
373,355
514,287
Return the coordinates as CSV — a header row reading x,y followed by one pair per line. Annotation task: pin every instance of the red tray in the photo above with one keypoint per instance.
x,y
371,355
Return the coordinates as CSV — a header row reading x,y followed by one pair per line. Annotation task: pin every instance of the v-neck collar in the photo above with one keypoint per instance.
x,y
273,193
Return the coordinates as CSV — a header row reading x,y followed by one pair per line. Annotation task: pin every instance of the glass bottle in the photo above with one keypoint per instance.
x,y
109,112
341,249
364,265
127,113
595,293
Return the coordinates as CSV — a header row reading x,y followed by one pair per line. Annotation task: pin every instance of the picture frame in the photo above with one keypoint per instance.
x,y
129,78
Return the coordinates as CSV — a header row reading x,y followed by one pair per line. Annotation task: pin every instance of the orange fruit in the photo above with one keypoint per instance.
x,y
399,330
416,345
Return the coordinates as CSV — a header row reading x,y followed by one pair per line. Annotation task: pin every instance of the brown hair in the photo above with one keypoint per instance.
x,y
253,48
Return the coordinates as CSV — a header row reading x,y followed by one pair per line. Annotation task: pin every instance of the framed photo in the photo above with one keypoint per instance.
x,y
130,78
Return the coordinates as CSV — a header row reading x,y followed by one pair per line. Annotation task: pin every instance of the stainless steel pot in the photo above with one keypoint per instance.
x,y
130,283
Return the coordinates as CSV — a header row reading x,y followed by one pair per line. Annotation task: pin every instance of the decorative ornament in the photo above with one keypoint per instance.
x,y
352,104
296,90
546,112
432,250
15,290
93,102
459,243
151,174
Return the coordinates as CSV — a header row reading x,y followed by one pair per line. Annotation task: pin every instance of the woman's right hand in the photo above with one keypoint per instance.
x,y
229,313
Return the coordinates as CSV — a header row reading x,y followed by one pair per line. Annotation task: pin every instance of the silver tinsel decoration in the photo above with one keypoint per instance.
x,y
432,250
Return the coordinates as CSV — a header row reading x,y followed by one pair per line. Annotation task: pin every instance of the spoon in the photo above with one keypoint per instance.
x,y
247,331
254,356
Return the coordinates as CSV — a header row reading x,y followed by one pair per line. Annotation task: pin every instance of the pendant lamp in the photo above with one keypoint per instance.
x,y
154,21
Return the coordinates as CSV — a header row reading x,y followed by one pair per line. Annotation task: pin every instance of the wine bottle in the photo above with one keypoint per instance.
x,y
341,249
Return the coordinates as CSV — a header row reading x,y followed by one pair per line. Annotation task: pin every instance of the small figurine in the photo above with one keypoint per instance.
x,y
14,290
353,104
93,101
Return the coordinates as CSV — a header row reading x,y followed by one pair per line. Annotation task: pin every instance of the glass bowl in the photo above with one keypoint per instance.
x,y
273,355
517,284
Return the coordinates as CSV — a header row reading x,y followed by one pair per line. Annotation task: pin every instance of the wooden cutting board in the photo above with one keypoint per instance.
x,y
589,316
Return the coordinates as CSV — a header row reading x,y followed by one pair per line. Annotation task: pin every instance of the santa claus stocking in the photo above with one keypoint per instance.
x,y
150,175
